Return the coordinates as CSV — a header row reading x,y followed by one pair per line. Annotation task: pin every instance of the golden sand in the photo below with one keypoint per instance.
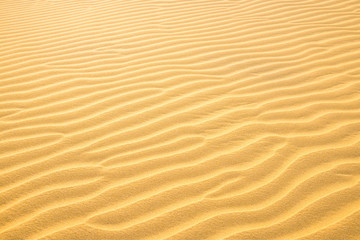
x,y
179,119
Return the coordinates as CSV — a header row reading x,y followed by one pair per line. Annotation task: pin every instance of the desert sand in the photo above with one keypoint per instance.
x,y
180,119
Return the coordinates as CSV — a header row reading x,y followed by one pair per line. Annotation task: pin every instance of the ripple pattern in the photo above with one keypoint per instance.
x,y
186,120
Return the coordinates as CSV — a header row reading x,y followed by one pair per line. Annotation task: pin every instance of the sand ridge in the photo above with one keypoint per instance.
x,y
163,119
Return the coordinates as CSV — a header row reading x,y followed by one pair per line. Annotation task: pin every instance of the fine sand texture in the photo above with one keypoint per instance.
x,y
179,119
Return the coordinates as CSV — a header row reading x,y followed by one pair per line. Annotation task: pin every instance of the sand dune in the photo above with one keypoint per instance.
x,y
164,119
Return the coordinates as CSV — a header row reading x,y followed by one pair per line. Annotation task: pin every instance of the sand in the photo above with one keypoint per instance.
x,y
186,119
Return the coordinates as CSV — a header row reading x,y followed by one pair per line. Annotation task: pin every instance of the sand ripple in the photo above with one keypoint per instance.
x,y
163,119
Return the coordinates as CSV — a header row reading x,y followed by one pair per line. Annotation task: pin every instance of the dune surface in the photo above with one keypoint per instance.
x,y
180,119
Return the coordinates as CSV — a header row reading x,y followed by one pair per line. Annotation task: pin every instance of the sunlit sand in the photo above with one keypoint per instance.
x,y
179,119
